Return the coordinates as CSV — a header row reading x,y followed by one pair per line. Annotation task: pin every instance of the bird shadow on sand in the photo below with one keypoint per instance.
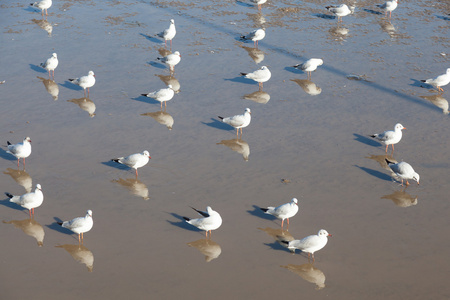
x,y
375,173
6,155
366,140
443,17
294,70
37,68
418,83
69,85
277,246
56,227
371,11
324,16
241,3
113,164
151,38
145,99
181,223
218,125
14,206
157,64
241,79
257,212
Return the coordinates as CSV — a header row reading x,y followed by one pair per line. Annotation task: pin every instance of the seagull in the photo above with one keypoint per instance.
x,y
441,80
390,137
388,6
43,4
340,10
134,161
172,59
51,64
238,121
309,66
258,2
211,220
163,95
255,36
169,33
261,75
20,150
30,200
79,225
85,81
404,171
310,244
284,211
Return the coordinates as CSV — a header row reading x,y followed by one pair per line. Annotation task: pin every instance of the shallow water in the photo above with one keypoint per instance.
x,y
303,142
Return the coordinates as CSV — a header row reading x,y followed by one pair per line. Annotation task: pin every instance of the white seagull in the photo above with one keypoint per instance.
x,y
255,36
441,80
258,2
43,4
20,150
172,59
85,81
169,33
239,121
390,137
340,10
404,171
388,6
284,211
51,64
79,225
134,161
30,200
163,95
310,244
261,75
211,220
309,66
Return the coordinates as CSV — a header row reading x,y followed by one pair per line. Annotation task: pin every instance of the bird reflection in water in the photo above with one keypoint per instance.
x,y
402,198
258,96
85,104
381,159
258,19
164,52
30,227
308,86
81,254
256,54
135,186
44,24
21,177
170,80
387,27
238,145
439,101
51,86
278,235
338,33
210,249
309,273
162,117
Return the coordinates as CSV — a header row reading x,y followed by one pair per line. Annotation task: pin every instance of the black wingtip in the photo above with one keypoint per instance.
x,y
8,143
186,218
9,195
115,160
388,161
372,135
422,80
285,242
145,95
220,117
59,223
264,209
243,74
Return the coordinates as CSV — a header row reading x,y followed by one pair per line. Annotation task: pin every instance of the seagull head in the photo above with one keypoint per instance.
x,y
248,110
146,153
416,177
89,213
91,73
27,139
295,200
323,232
38,187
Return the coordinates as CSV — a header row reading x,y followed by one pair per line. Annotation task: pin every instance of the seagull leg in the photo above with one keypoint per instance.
x,y
18,162
407,183
136,173
32,211
79,240
282,222
29,211
387,147
161,105
165,105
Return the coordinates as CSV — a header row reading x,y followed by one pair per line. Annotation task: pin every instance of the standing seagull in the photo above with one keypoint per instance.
x,y
169,33
309,66
30,200
134,161
163,95
43,4
404,171
310,244
172,60
21,150
79,225
85,81
261,75
441,80
258,2
255,36
239,121
390,137
211,220
340,10
51,64
284,211
388,6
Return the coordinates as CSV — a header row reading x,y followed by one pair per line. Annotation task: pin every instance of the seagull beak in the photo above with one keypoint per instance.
x,y
149,156
404,127
329,235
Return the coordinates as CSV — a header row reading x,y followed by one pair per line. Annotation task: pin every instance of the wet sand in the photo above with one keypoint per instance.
x,y
387,242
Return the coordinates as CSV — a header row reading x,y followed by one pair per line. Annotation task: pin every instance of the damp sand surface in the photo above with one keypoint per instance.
x,y
307,139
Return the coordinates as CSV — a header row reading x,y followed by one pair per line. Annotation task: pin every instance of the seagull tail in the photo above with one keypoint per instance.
x,y
388,161
186,219
9,195
220,117
264,209
8,143
244,74
59,223
117,160
373,135
75,80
